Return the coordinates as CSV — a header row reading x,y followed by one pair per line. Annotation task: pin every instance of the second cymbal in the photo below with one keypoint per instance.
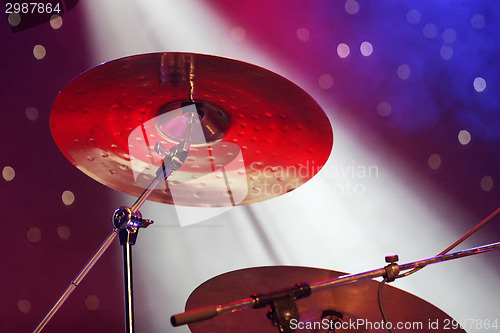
x,y
356,304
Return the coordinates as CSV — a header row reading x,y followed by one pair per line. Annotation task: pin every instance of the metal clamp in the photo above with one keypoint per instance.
x,y
124,218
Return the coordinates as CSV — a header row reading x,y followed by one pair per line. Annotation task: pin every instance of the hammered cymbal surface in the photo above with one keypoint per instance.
x,y
273,137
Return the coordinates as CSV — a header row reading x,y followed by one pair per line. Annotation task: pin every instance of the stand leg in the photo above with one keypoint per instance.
x,y
104,246
127,239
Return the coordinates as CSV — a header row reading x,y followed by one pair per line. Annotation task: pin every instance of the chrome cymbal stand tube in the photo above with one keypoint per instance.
x,y
459,241
127,221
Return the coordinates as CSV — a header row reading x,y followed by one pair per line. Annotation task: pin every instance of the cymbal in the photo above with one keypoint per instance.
x,y
357,303
261,135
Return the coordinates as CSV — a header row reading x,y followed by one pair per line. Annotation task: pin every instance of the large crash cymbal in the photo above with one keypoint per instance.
x,y
261,135
357,304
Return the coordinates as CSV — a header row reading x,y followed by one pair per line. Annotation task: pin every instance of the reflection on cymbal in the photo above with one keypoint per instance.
x,y
262,133
356,304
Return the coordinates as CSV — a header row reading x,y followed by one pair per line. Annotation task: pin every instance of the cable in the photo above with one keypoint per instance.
x,y
381,307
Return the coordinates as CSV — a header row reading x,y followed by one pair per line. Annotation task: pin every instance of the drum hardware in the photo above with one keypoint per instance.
x,y
283,307
217,287
334,318
286,298
127,222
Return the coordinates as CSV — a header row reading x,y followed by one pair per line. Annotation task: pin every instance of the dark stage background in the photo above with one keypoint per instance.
x,y
411,90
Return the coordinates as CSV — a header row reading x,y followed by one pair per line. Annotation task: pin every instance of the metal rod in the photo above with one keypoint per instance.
x,y
129,293
459,241
145,195
451,256
470,232
166,171
97,255
351,278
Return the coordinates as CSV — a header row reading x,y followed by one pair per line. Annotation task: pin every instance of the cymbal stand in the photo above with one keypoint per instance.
x,y
127,221
304,289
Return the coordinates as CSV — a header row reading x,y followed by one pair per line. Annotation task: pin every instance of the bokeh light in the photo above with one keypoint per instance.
x,y
238,34
366,49
325,81
487,183
343,50
303,34
384,109
56,22
14,19
8,173
351,7
39,52
68,198
477,21
92,303
63,232
24,305
446,52
31,113
430,30
413,16
464,137
404,71
34,234
479,84
434,161
449,36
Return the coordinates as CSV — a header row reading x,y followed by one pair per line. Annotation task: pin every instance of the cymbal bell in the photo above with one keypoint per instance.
x,y
356,304
259,135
